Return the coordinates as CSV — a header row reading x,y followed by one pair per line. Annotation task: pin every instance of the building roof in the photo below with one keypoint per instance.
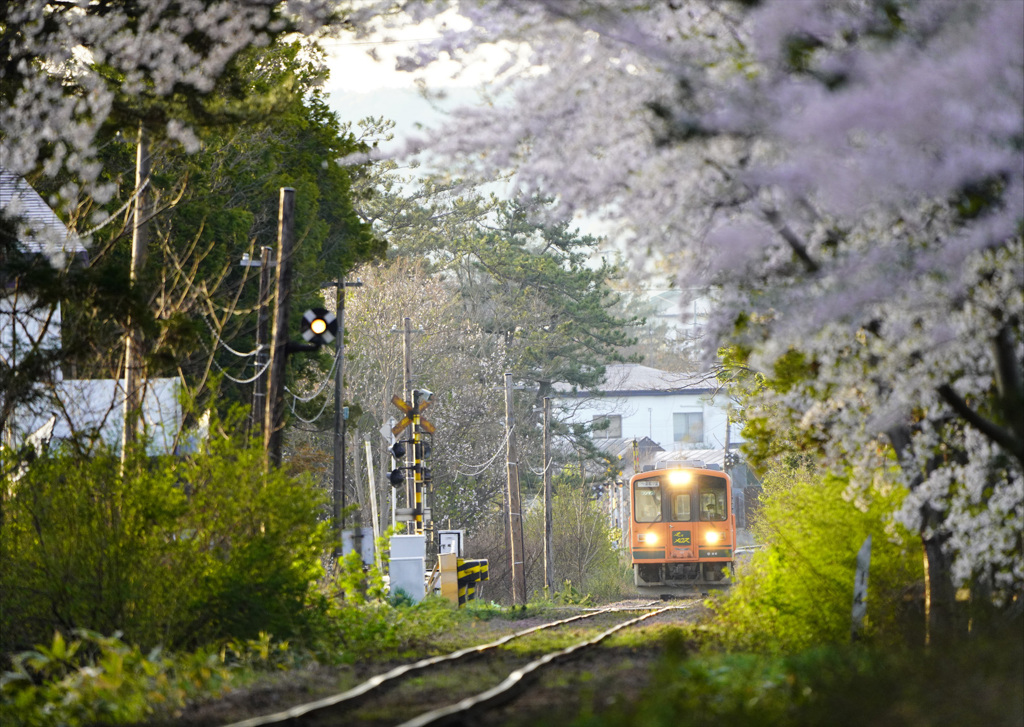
x,y
635,379
39,228
622,447
95,408
679,457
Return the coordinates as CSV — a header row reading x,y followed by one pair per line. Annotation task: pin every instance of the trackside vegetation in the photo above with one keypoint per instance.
x,y
774,650
777,649
797,592
167,551
976,683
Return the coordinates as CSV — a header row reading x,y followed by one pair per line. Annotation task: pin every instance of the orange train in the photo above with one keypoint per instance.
x,y
682,528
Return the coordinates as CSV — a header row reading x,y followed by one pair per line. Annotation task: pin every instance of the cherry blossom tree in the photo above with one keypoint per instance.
x,y
69,68
847,177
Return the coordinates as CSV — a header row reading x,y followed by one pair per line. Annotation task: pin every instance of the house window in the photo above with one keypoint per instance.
x,y
610,427
688,428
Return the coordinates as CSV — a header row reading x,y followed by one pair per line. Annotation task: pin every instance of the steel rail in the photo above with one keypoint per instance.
x,y
514,681
310,709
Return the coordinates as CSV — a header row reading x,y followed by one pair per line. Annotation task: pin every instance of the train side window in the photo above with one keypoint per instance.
x,y
647,501
712,496
681,507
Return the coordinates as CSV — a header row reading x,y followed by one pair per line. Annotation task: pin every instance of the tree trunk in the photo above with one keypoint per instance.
x,y
940,607
941,619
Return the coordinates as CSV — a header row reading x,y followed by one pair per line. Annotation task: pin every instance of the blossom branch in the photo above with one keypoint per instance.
x,y
1001,436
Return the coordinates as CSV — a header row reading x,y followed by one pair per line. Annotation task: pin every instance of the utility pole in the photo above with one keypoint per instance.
x,y
515,510
133,367
273,433
340,420
259,387
549,563
410,454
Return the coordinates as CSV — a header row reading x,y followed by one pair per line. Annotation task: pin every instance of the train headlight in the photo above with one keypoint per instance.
x,y
649,538
680,477
712,536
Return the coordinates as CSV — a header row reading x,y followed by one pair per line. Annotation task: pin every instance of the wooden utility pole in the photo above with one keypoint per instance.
x,y
410,454
515,510
340,422
134,373
549,562
273,434
259,387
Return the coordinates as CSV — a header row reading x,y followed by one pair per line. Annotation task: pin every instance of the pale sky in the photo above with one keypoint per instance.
x,y
360,86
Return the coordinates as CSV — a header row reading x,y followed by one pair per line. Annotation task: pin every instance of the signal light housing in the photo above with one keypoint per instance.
x,y
319,326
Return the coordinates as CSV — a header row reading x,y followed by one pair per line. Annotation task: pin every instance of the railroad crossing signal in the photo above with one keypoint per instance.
x,y
410,411
319,326
397,475
421,475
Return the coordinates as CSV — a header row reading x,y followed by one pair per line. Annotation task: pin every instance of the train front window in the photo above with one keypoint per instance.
x,y
681,507
712,497
647,501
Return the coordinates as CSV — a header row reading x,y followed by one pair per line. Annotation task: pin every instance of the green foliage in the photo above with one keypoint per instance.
x,y
980,682
770,434
570,596
177,552
100,679
799,590
359,583
535,286
586,558
280,132
341,632
259,654
399,598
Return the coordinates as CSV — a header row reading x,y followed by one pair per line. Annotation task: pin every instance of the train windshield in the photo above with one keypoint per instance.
x,y
647,500
712,496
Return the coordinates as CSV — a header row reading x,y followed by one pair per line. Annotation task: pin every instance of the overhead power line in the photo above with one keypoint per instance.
x,y
480,469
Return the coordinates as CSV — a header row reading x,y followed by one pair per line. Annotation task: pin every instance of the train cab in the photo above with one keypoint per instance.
x,y
682,528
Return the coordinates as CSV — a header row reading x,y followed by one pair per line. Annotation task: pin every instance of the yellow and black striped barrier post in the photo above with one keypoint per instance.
x,y
471,572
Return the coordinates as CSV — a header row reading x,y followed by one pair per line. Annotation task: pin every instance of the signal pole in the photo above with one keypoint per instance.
x,y
340,420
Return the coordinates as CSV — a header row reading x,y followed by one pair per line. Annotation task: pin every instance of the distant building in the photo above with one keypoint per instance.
x,y
63,407
674,418
94,408
674,411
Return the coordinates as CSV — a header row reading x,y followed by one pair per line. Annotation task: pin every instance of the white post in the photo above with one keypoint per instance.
x,y
860,588
372,480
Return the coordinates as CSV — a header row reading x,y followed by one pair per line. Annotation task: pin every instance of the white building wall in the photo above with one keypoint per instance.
x,y
25,326
651,415
96,407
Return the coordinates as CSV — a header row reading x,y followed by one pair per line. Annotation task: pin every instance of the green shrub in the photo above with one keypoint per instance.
x,y
798,591
570,596
585,547
975,682
178,552
100,679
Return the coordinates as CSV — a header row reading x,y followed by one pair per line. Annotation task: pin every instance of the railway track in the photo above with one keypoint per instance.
x,y
506,671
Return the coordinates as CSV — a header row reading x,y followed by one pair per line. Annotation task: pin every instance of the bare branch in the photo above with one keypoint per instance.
x,y
999,435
